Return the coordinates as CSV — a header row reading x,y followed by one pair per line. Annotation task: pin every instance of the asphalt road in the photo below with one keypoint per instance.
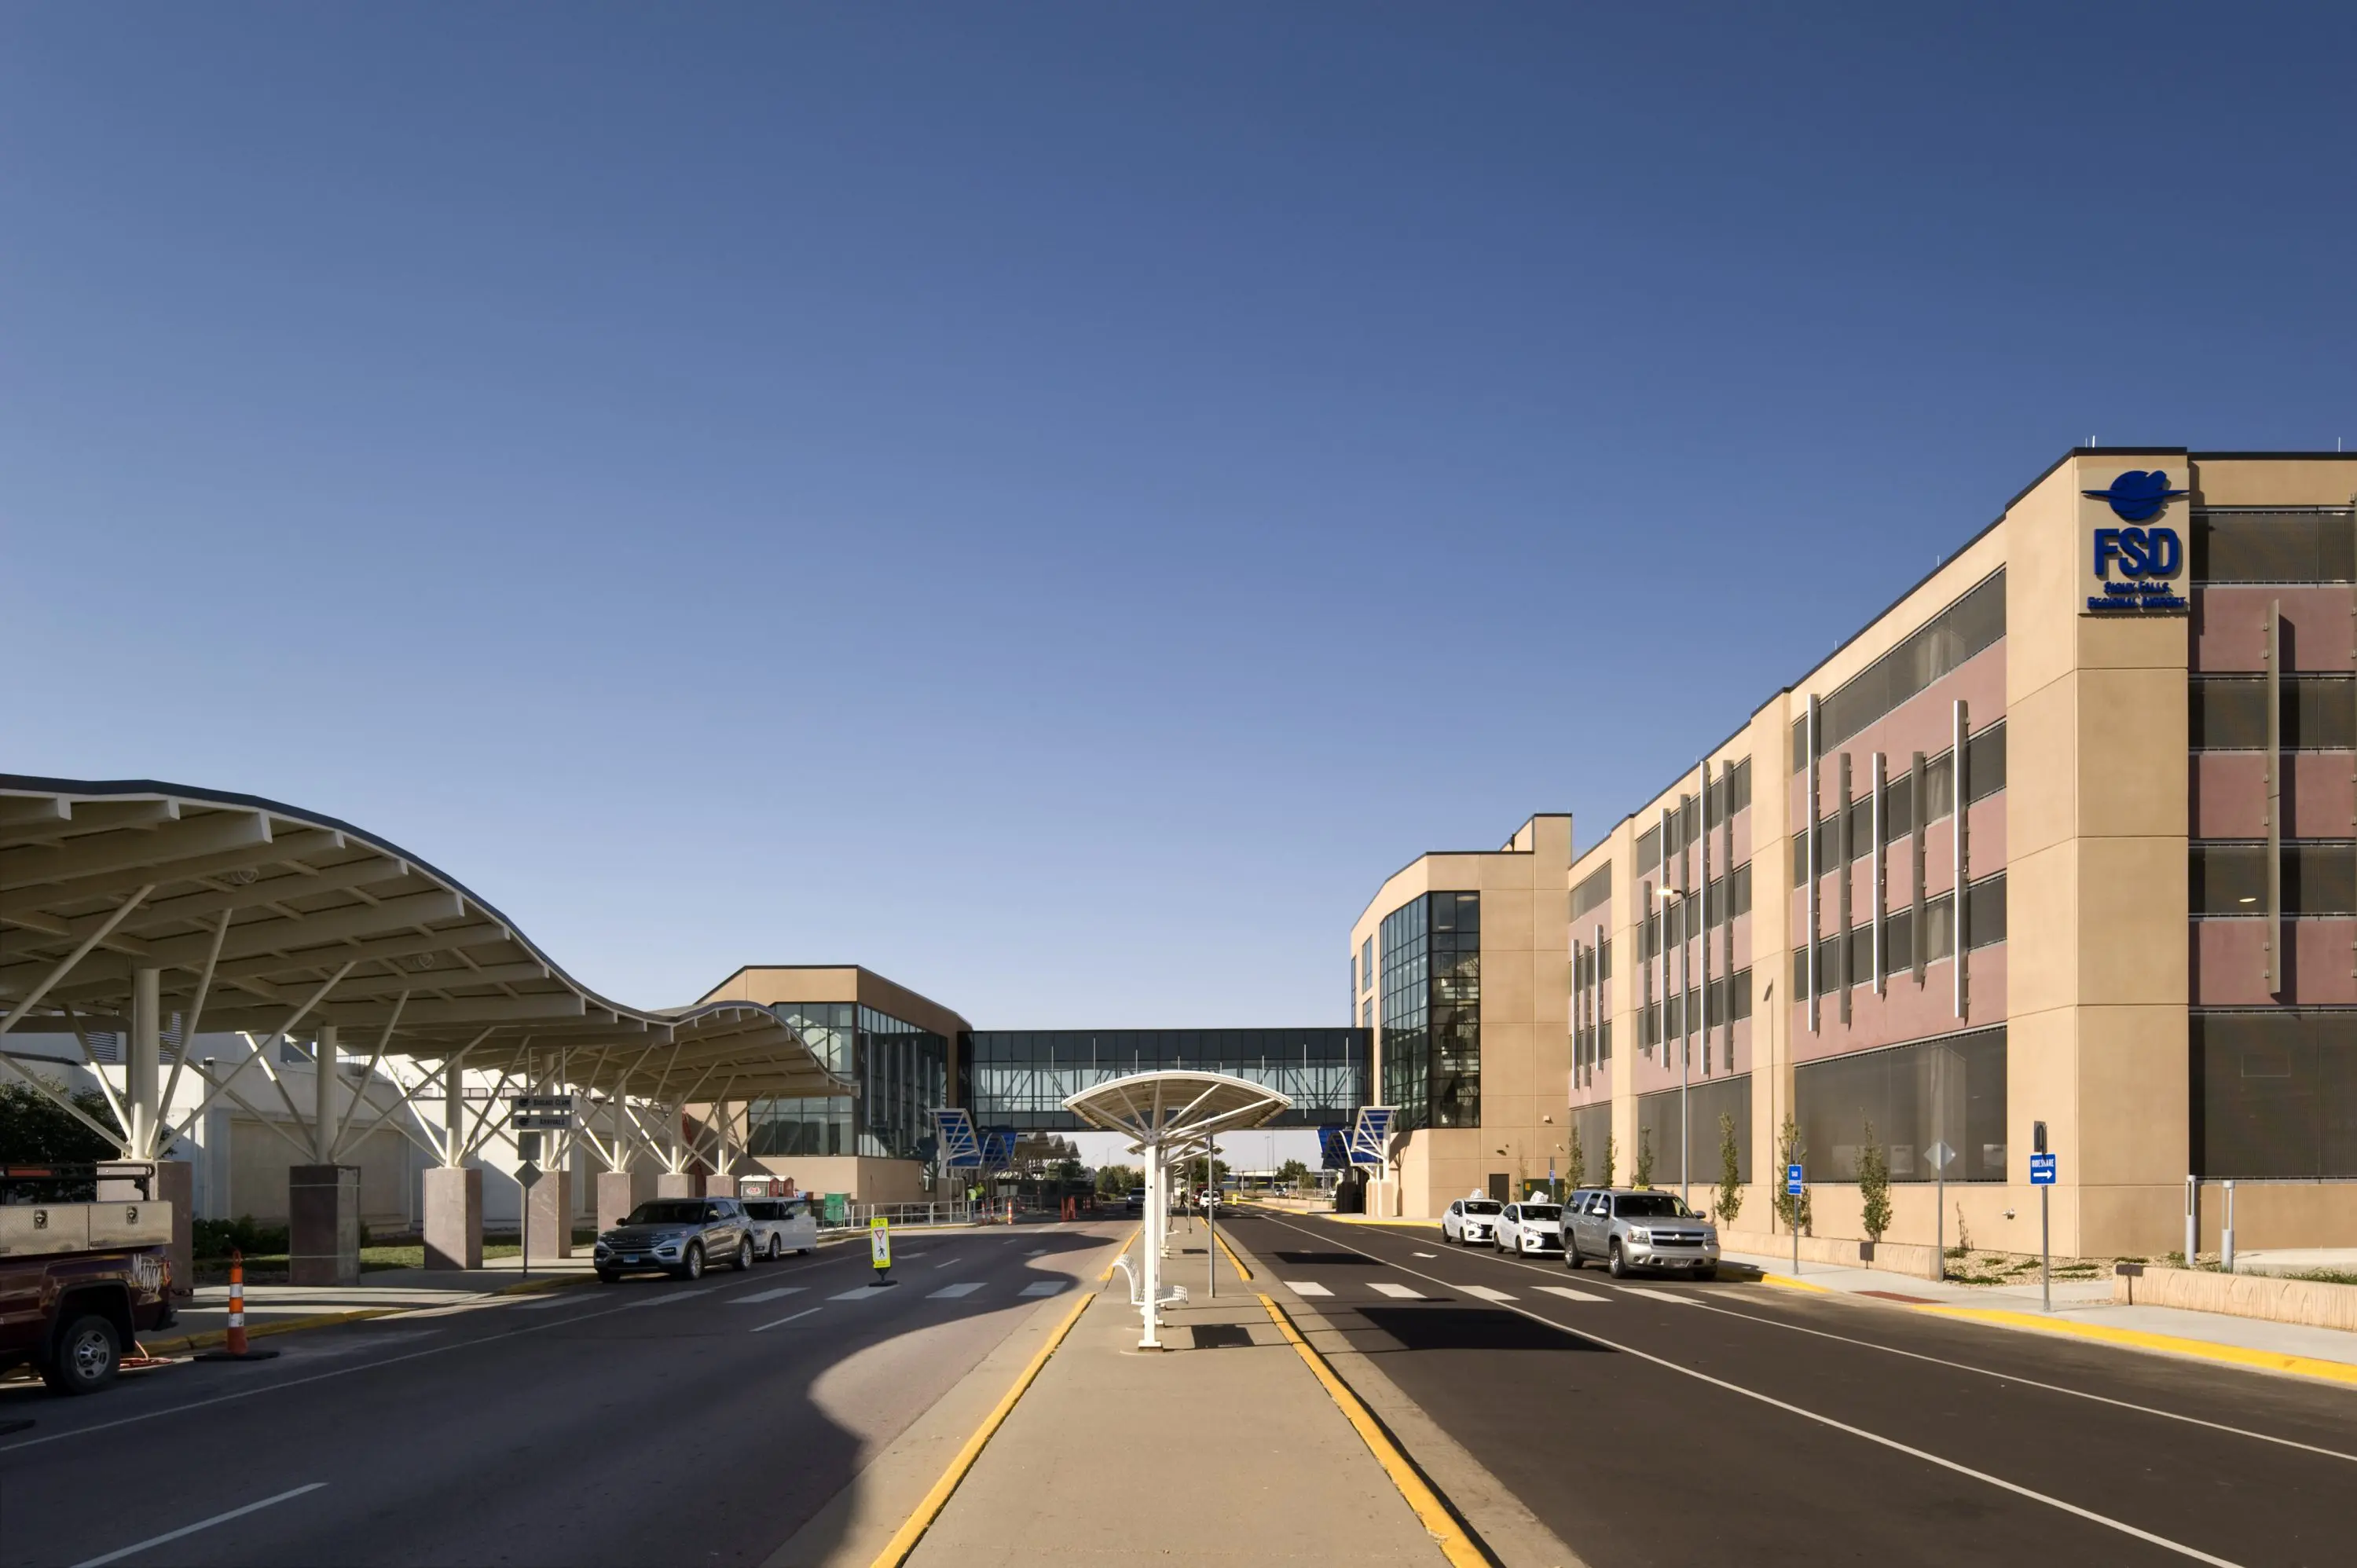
x,y
647,1421
1659,1423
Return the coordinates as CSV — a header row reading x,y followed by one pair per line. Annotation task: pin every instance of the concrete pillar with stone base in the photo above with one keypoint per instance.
x,y
619,1192
679,1184
454,1218
552,1214
323,1225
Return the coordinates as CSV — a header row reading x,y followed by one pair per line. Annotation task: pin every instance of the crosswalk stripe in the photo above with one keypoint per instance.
x,y
954,1290
567,1299
1399,1293
862,1293
1570,1295
1306,1287
1043,1287
771,1294
1659,1294
1486,1294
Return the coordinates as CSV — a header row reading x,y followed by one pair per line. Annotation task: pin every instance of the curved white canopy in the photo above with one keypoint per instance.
x,y
1175,1109
271,919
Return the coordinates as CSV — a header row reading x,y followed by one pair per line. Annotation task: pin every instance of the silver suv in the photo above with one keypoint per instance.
x,y
681,1235
1629,1228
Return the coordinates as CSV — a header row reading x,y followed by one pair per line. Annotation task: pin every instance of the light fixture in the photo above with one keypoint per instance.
x,y
2250,900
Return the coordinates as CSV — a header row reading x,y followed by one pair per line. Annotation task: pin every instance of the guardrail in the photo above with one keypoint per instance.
x,y
904,1216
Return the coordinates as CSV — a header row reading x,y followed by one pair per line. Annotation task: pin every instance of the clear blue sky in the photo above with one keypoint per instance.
x,y
1056,502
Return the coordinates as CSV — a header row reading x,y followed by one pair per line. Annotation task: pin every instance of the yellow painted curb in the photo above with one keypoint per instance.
x,y
187,1343
1238,1263
1438,1522
2140,1339
912,1530
1789,1283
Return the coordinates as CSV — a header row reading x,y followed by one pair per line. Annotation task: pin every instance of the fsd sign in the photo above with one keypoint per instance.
x,y
2147,560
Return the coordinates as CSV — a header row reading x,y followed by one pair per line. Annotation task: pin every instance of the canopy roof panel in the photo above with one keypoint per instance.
x,y
269,920
1177,1107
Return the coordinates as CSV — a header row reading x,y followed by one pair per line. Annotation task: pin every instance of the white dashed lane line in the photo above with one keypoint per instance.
x,y
1044,1287
771,1294
1306,1287
1485,1293
1399,1293
1570,1295
954,1292
1659,1294
783,1321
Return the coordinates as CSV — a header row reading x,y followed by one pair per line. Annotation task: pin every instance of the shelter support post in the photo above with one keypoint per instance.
x,y
621,1191
142,1078
1157,1224
453,1217
323,1198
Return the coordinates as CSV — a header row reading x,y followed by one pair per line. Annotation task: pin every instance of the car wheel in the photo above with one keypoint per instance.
x,y
1618,1266
88,1354
607,1276
690,1267
744,1255
777,1248
1570,1254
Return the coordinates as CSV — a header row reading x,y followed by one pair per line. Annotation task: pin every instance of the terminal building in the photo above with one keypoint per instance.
x,y
2066,837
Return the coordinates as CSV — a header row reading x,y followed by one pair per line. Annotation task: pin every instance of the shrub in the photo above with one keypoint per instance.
x,y
1874,1185
1645,1172
1576,1159
1610,1156
217,1238
35,1131
1730,1172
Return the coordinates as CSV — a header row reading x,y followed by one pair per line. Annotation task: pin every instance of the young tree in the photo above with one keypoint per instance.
x,y
1610,1155
1115,1181
1576,1158
1730,1172
1790,1151
1874,1185
1645,1172
1292,1174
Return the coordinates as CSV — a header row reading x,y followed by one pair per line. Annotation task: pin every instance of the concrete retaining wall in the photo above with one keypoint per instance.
x,y
1895,1257
2310,1302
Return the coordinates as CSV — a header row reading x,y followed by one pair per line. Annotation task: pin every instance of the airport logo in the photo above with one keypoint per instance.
x,y
2138,495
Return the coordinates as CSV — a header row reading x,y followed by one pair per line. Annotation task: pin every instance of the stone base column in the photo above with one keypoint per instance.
x,y
689,1184
454,1218
323,1225
174,1182
619,1192
552,1214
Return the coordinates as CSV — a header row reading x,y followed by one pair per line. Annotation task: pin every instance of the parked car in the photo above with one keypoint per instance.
x,y
79,1283
1533,1227
681,1235
1628,1229
1133,1204
1470,1219
782,1225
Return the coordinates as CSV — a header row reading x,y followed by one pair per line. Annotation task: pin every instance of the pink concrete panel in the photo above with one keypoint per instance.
x,y
2229,959
1905,1010
2228,794
1923,723
2230,627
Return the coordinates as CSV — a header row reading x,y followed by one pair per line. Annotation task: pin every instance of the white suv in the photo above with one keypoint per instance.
x,y
1470,1220
1529,1228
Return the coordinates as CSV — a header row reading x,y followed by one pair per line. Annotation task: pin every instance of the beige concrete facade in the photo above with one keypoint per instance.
x,y
2101,802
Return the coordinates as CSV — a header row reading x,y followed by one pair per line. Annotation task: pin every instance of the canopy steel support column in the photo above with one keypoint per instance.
x,y
1157,1222
142,1073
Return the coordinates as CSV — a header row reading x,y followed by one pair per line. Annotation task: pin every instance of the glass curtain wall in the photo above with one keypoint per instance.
x,y
1432,1011
1021,1077
901,1071
1948,1091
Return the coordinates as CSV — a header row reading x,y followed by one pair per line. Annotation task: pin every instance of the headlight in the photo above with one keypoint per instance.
x,y
1639,1233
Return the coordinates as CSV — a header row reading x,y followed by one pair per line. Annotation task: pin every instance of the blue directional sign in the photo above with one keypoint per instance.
x,y
961,1146
2042,1170
1369,1135
1793,1183
1334,1148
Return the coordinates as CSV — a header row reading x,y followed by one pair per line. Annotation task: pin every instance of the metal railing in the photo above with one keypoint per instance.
x,y
903,1215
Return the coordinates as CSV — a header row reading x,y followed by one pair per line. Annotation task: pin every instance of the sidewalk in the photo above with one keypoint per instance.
x,y
1221,1449
277,1308
2084,1309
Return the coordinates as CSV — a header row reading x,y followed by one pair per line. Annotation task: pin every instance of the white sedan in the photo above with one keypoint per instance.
x,y
1470,1220
1529,1228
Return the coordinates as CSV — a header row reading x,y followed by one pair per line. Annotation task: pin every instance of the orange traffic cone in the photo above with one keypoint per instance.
x,y
236,1348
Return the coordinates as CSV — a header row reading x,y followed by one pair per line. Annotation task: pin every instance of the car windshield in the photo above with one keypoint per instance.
x,y
1541,1211
1479,1206
678,1211
1646,1205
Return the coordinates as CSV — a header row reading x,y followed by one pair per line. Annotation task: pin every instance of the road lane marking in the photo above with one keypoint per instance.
x,y
1659,1294
1038,1253
1044,1287
860,1293
1570,1295
770,1294
568,1299
1485,1293
1399,1293
122,1552
1428,1254
781,1321
954,1292
672,1295
1305,1287
2180,1548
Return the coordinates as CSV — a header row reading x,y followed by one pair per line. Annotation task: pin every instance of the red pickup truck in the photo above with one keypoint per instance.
x,y
78,1283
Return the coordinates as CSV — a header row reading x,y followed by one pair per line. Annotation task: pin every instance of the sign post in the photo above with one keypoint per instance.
x,y
527,1177
879,1248
2041,1177
1940,1155
1793,1183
